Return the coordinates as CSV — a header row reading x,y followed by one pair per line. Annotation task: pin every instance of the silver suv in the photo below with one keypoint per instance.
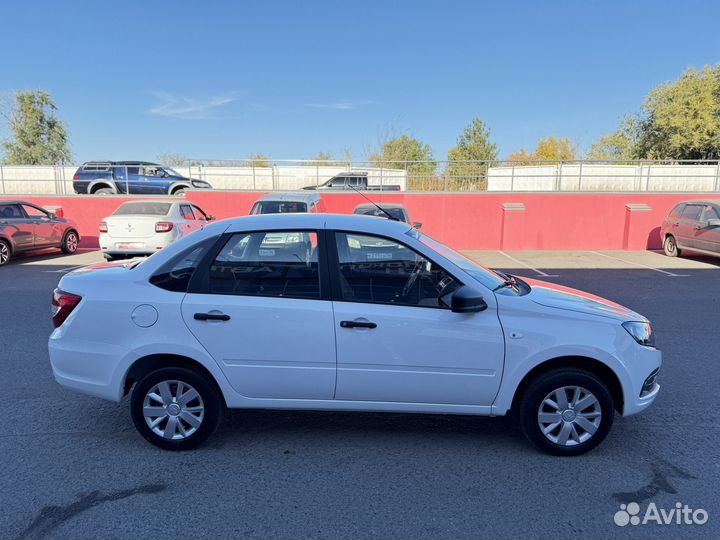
x,y
692,226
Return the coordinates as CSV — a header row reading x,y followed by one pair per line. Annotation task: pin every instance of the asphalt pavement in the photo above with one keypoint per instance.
x,y
74,466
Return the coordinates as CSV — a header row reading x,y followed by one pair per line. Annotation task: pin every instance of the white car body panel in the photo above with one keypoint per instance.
x,y
281,352
134,234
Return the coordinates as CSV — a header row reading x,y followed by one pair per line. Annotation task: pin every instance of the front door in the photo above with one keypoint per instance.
x,y
707,237
258,310
396,339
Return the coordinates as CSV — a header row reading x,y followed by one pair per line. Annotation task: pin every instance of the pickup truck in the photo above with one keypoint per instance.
x,y
353,180
132,177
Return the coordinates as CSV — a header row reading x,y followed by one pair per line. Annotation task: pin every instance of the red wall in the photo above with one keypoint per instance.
x,y
461,220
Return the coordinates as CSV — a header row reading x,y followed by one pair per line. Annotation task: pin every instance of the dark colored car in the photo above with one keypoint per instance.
x,y
391,211
354,181
692,225
132,177
25,227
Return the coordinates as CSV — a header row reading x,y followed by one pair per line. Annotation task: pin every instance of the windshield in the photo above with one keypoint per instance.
x,y
143,208
484,275
279,207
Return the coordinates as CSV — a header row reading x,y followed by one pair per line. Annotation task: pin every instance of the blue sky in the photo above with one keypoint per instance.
x,y
222,80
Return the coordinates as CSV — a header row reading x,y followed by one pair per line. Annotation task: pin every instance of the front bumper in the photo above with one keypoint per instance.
x,y
638,395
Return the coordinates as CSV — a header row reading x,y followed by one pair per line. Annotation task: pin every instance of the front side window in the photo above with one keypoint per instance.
x,y
379,270
276,263
709,213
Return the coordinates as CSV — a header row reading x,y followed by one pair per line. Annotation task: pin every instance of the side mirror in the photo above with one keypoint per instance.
x,y
211,218
467,300
52,215
713,223
417,225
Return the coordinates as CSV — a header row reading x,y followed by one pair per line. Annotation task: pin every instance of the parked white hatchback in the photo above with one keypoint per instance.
x,y
347,313
143,227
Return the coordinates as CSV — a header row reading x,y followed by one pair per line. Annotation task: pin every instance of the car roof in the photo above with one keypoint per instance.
x,y
702,201
341,222
386,206
18,202
290,197
102,162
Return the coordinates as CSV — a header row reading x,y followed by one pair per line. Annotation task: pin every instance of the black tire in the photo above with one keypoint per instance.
x,y
104,191
5,252
70,242
670,246
180,192
533,399
110,258
209,398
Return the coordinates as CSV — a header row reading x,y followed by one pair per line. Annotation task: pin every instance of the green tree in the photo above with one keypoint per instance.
x,y
470,158
38,136
617,146
681,119
258,160
407,153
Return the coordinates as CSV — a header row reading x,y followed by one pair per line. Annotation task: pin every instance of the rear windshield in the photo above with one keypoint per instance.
x,y
279,207
396,213
144,208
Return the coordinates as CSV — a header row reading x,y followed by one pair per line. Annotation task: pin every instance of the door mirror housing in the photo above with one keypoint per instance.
x,y
713,223
51,215
417,225
467,300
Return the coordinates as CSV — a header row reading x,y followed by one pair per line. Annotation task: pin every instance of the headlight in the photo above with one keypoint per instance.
x,y
200,184
641,332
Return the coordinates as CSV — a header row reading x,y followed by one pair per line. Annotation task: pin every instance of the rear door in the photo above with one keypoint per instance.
x,y
707,237
396,342
262,310
685,226
17,226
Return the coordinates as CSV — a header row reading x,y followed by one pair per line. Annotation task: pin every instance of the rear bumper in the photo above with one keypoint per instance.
x,y
85,367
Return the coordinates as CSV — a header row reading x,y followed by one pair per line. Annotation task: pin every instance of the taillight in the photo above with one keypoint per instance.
x,y
76,177
103,226
62,306
163,226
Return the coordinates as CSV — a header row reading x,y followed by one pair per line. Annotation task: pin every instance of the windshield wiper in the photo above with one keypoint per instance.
x,y
509,281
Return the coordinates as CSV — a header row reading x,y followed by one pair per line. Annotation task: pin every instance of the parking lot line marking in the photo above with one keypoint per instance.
x,y
539,272
62,270
669,274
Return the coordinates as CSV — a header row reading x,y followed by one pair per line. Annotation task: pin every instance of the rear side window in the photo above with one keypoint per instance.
x,y
176,274
692,212
95,167
186,211
10,211
278,264
144,208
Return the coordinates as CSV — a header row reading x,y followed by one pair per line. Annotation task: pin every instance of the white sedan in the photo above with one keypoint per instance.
x,y
348,313
144,227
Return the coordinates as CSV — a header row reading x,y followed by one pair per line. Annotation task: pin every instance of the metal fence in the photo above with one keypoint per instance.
x,y
688,176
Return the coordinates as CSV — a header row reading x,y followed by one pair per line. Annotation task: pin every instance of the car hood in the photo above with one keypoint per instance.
x,y
560,297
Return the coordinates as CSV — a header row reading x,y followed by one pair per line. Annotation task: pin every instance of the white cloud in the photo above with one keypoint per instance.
x,y
342,105
187,108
